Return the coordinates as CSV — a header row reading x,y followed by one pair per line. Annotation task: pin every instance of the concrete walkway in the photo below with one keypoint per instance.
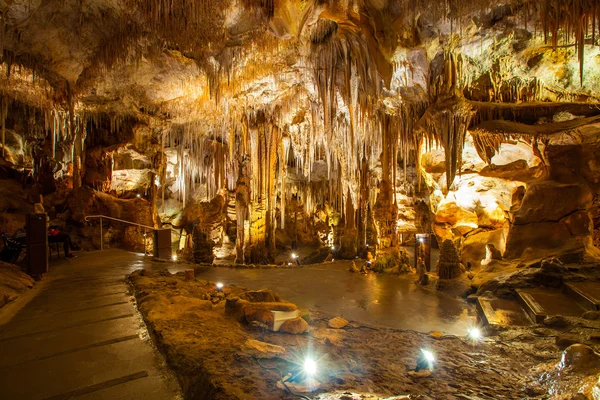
x,y
80,336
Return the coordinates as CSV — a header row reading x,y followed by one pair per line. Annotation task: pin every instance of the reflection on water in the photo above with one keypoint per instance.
x,y
373,299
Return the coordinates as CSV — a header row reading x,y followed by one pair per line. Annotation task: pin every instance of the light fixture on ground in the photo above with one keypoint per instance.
x,y
138,195
219,286
474,334
425,360
310,367
174,257
294,255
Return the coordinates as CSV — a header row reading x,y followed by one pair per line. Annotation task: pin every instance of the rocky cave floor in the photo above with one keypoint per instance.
x,y
206,338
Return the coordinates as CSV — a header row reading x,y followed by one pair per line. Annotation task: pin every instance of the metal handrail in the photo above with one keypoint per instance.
x,y
120,220
88,217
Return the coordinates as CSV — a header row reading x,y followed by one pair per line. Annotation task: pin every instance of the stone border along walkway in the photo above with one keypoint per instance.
x,y
81,336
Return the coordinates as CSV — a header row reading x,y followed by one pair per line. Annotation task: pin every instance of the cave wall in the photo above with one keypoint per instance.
x,y
556,215
303,120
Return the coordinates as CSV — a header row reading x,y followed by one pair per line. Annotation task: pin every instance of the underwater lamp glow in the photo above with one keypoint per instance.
x,y
474,333
310,366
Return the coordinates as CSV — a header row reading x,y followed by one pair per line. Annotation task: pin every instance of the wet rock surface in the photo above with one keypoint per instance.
x,y
337,323
374,363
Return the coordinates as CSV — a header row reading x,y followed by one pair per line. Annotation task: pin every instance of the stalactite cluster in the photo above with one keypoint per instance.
x,y
289,104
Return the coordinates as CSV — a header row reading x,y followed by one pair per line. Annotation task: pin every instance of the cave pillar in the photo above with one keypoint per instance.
x,y
271,196
349,235
385,210
242,209
363,213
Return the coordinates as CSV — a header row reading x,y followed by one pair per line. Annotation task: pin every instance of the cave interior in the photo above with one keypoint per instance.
x,y
454,144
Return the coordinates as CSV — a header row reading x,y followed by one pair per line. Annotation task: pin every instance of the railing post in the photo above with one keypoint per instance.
x,y
101,236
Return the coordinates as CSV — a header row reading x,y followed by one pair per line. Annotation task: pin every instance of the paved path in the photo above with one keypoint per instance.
x,y
81,337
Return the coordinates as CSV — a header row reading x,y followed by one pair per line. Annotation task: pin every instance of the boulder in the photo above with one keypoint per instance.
x,y
566,340
580,357
261,296
591,315
551,219
261,312
353,267
552,201
557,321
541,236
234,308
337,323
294,326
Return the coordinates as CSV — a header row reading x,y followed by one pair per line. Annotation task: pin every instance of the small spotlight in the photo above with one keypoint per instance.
x,y
310,366
294,255
219,285
474,334
174,257
138,195
428,355
332,247
425,360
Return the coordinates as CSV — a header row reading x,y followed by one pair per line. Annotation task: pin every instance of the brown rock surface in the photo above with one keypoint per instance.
x,y
209,353
579,357
294,326
337,323
261,296
552,201
261,312
13,283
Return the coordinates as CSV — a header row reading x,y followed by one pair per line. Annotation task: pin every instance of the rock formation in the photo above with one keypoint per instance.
x,y
274,125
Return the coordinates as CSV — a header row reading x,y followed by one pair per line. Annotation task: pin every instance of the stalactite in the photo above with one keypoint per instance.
x,y
572,18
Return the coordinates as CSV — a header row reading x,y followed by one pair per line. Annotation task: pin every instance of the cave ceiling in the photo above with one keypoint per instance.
x,y
337,71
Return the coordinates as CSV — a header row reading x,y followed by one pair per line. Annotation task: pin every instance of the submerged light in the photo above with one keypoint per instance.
x,y
310,366
474,333
425,360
